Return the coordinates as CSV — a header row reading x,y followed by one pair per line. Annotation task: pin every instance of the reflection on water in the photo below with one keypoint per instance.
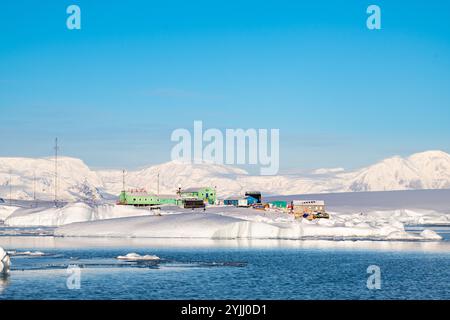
x,y
18,242
4,282
225,269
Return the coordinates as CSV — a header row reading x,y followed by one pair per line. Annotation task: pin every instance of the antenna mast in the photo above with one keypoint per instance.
x,y
123,180
56,170
34,187
158,186
10,187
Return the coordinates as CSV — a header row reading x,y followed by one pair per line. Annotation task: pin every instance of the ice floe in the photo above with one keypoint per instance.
x,y
26,253
137,257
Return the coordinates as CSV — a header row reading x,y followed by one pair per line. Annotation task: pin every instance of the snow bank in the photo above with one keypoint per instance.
x,y
404,216
186,225
430,234
221,222
74,212
5,262
137,257
221,226
6,211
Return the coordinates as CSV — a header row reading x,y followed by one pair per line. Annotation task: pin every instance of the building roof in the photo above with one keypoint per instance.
x,y
195,189
235,198
168,196
140,193
308,202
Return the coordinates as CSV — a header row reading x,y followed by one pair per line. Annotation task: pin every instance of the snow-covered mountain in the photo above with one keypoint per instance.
x,y
24,177
174,174
426,170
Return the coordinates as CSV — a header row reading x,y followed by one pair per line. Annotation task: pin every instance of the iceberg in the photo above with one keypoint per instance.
x,y
5,262
137,257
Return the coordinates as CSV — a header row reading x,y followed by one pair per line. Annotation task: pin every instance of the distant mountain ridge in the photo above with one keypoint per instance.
x,y
425,170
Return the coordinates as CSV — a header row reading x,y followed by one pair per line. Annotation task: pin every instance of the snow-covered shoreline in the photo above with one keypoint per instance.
x,y
235,226
224,222
70,213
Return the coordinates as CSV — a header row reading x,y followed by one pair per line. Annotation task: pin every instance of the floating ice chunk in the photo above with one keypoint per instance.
x,y
30,253
401,235
5,262
25,253
430,234
137,257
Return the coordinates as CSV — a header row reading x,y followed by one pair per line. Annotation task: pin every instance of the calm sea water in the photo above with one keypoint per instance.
x,y
227,269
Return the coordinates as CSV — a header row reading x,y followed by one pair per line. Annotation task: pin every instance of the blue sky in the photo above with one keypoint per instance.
x,y
341,95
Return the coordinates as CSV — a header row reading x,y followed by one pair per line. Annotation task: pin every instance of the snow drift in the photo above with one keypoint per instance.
x,y
6,211
74,212
235,225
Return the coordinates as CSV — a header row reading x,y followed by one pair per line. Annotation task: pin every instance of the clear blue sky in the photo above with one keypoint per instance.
x,y
112,92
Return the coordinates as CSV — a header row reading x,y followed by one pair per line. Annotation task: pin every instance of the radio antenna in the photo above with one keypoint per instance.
x,y
56,171
123,180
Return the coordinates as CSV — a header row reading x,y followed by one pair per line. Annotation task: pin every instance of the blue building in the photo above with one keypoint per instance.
x,y
240,201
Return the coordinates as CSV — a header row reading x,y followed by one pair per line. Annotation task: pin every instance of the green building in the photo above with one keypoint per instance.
x,y
143,198
207,194
278,204
170,199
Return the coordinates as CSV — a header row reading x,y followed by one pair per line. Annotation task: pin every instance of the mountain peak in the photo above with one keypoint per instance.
x,y
430,154
424,170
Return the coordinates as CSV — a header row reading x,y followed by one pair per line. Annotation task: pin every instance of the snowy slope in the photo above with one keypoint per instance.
x,y
426,170
75,180
234,223
371,215
73,212
174,174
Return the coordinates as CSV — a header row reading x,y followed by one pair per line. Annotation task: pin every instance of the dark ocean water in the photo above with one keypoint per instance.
x,y
226,269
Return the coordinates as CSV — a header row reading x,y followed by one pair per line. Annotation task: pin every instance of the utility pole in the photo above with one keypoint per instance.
x,y
10,187
56,171
34,187
158,186
123,180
